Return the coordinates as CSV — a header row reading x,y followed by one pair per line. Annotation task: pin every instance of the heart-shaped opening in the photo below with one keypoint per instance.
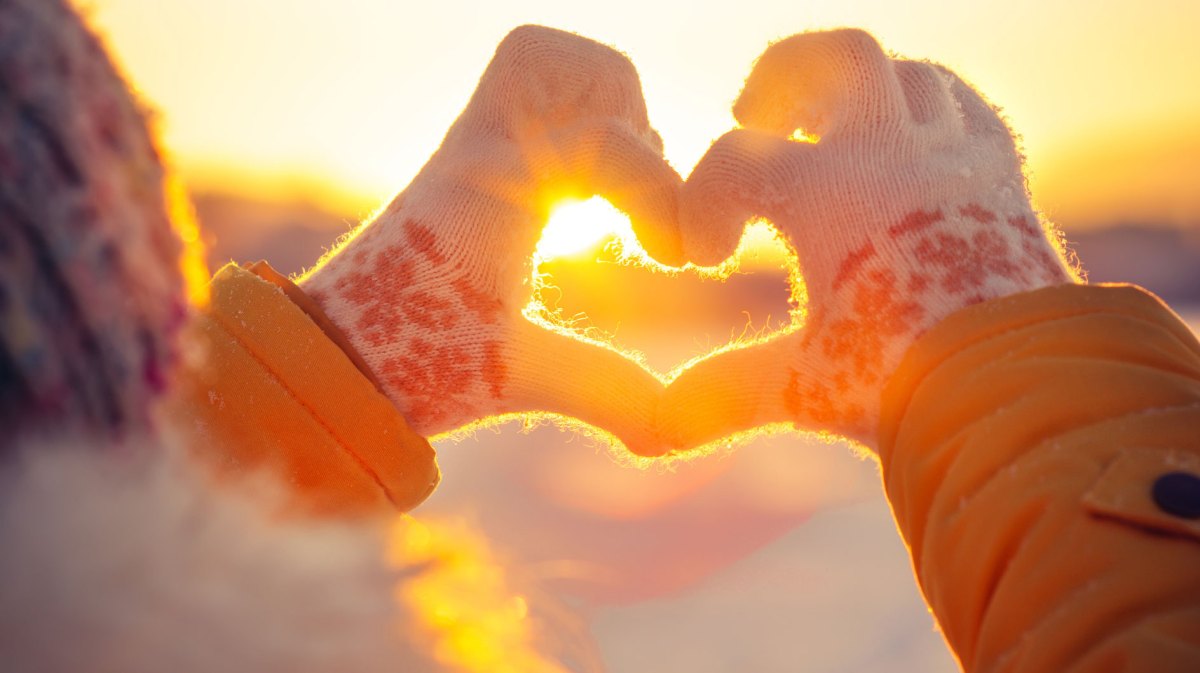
x,y
594,280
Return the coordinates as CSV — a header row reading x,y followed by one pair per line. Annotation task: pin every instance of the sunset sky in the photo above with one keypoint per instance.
x,y
346,99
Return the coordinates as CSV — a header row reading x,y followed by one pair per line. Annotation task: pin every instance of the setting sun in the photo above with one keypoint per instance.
x,y
578,227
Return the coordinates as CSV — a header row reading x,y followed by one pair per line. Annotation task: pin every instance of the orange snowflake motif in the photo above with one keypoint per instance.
x,y
962,264
432,336
880,310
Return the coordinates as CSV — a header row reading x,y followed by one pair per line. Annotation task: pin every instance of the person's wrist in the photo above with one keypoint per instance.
x,y
941,260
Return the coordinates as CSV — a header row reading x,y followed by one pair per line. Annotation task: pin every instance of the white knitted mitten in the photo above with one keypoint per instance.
x,y
910,206
431,292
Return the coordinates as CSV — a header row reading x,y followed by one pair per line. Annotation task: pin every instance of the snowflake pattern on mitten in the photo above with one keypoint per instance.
x,y
910,205
432,293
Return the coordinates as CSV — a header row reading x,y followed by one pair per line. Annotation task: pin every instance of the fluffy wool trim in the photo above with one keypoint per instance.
x,y
136,563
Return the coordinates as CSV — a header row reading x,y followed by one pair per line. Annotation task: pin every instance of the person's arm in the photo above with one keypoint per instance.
x,y
1039,440
433,294
1042,456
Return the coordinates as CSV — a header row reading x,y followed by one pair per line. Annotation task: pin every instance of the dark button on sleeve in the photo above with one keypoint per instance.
x,y
1178,494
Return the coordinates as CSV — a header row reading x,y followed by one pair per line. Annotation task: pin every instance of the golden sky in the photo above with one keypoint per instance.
x,y
347,98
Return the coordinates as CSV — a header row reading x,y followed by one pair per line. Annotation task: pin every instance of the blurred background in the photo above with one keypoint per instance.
x,y
291,120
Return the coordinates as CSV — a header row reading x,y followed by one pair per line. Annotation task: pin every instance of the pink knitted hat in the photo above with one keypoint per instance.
x,y
90,290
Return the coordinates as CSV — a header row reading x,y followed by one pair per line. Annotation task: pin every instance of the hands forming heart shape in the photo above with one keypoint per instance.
x,y
910,206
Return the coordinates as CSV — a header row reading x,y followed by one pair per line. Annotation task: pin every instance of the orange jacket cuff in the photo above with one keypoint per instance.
x,y
274,390
1022,442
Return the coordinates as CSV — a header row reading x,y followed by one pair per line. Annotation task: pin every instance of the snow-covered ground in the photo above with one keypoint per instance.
x,y
834,594
783,558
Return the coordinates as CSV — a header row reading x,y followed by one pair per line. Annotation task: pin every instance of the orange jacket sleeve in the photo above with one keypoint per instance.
x,y
1042,457
264,386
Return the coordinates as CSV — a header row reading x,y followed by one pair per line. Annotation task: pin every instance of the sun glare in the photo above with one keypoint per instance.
x,y
804,136
579,227
468,615
192,264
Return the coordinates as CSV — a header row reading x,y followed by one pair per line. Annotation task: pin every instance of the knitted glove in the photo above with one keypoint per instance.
x,y
910,206
431,292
